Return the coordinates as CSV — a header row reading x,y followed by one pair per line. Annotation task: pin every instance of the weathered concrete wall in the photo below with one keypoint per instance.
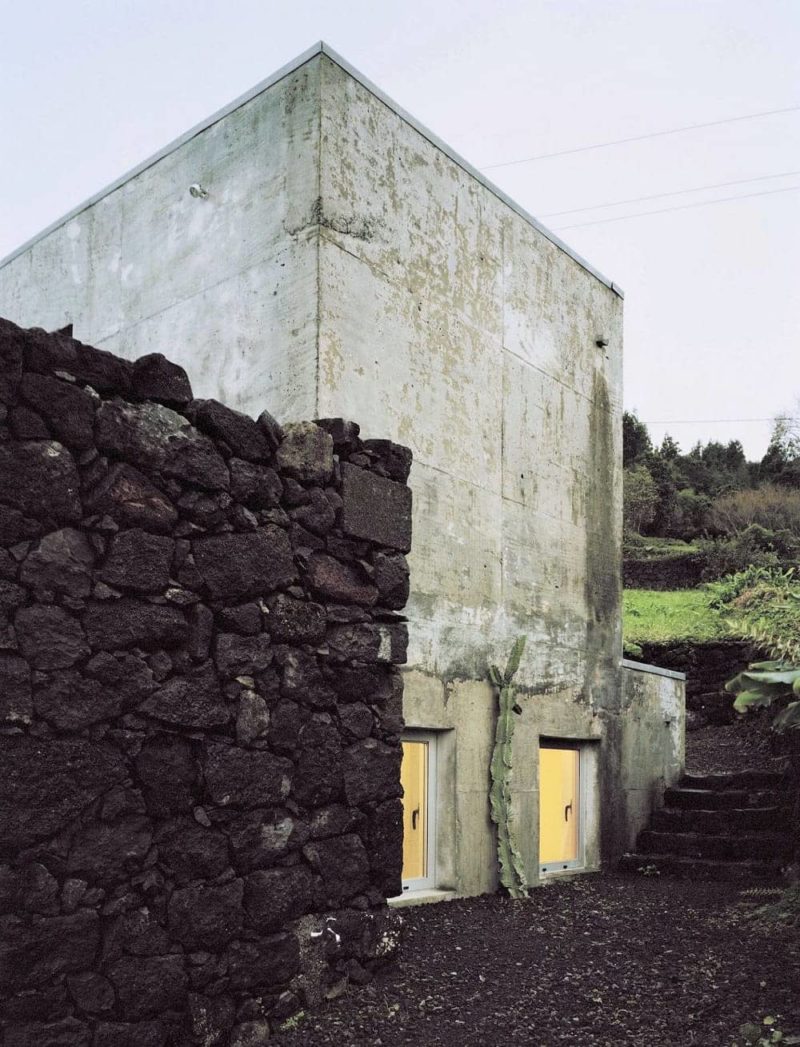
x,y
459,327
378,276
200,706
651,740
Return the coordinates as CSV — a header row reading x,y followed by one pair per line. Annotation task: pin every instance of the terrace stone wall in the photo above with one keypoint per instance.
x,y
708,667
200,705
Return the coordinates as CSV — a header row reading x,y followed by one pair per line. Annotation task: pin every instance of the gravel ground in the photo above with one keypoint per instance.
x,y
602,959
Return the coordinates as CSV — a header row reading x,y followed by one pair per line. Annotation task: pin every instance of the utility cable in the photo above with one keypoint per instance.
x,y
674,192
680,207
710,421
642,138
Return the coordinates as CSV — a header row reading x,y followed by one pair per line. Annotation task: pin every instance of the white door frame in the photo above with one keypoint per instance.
x,y
427,882
552,868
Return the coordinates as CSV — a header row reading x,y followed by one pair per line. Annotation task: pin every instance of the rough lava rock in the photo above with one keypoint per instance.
x,y
40,475
194,700
129,498
125,623
151,436
138,561
16,706
67,409
62,562
49,637
46,782
157,378
306,453
242,435
375,508
236,566
246,778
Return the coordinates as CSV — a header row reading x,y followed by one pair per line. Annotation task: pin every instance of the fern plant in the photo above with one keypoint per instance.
x,y
765,607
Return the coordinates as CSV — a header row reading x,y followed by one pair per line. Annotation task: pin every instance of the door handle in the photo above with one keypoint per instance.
x,y
567,809
414,817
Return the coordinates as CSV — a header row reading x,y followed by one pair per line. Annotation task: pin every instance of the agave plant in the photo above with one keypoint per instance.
x,y
763,683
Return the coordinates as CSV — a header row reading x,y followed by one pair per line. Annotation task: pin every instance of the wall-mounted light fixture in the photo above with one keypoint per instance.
x,y
198,191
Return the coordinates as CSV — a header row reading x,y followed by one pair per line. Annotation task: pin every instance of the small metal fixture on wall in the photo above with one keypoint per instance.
x,y
198,191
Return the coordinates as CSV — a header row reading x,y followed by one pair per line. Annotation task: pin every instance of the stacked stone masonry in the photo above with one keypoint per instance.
x,y
200,705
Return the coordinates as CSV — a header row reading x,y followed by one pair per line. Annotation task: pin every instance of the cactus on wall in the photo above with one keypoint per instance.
x,y
512,874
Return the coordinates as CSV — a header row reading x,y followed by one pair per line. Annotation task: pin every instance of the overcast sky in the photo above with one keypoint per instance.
x,y
88,89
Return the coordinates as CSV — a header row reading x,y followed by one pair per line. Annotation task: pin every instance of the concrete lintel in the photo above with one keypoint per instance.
x,y
656,670
319,48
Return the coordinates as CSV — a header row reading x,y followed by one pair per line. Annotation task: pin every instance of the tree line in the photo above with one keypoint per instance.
x,y
713,494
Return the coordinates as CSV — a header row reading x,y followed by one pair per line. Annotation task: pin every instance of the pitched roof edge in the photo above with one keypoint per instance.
x,y
319,48
466,166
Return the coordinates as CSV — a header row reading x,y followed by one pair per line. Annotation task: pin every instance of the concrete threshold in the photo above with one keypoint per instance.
x,y
427,897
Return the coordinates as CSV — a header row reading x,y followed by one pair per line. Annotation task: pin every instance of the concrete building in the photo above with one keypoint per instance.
x,y
313,250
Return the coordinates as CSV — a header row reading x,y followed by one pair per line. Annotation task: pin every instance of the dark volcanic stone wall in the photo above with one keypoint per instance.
x,y
200,706
708,667
674,572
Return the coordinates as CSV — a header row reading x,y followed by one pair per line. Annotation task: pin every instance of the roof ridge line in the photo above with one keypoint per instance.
x,y
319,48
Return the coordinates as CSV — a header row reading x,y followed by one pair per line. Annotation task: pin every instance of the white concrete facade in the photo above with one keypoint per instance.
x,y
344,262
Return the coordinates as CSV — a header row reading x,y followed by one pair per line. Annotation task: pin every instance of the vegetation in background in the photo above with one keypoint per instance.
x,y
640,499
764,605
731,512
512,874
769,506
712,490
753,546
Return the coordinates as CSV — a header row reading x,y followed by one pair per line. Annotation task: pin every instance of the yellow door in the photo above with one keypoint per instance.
x,y
414,779
558,805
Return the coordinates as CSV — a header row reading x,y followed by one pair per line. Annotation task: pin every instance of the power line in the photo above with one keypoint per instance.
x,y
680,207
642,138
711,421
674,192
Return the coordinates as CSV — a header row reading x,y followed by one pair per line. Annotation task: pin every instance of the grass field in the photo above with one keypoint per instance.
x,y
662,616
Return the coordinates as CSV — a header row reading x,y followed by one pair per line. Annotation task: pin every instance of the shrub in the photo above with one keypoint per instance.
x,y
690,513
754,546
770,506
640,498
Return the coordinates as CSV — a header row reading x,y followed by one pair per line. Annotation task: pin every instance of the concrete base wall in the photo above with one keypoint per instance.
x,y
629,756
652,749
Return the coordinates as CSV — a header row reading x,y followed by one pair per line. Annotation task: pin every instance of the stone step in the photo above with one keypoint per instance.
x,y
723,799
701,868
747,780
752,846
718,822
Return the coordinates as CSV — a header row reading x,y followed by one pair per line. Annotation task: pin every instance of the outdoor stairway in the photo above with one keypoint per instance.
x,y
718,827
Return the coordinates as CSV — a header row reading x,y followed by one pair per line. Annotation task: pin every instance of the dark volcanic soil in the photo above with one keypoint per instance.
x,y
602,959
746,743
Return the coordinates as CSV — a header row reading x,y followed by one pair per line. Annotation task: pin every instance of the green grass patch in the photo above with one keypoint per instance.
x,y
658,617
